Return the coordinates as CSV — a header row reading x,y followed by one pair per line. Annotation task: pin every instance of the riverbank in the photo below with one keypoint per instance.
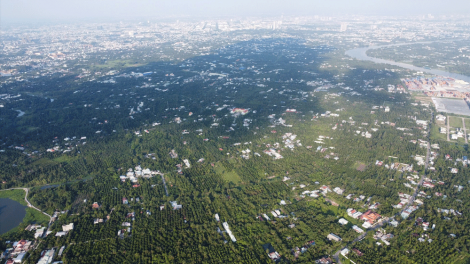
x,y
32,215
361,54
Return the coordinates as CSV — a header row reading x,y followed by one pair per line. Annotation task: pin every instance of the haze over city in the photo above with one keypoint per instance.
x,y
60,11
234,131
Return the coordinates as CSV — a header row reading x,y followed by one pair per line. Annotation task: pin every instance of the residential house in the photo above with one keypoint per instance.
x,y
67,228
357,229
338,190
175,205
324,260
333,237
370,216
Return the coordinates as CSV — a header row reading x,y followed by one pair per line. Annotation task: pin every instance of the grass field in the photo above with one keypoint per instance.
x,y
455,121
435,134
467,123
360,166
62,158
43,162
420,98
16,195
228,176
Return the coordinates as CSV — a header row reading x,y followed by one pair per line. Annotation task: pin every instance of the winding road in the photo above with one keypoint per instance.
x,y
27,201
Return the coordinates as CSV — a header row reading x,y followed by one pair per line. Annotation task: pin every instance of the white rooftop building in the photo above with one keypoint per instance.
x,y
229,232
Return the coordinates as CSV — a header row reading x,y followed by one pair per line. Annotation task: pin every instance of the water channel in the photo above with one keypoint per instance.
x,y
361,54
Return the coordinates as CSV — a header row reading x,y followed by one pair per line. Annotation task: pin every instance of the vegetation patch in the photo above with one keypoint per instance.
x,y
360,166
228,176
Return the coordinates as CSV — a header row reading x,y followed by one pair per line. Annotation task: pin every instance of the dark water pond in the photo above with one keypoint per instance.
x,y
11,214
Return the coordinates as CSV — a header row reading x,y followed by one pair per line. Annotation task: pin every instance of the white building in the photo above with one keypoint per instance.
x,y
186,162
67,228
46,256
338,190
357,229
229,232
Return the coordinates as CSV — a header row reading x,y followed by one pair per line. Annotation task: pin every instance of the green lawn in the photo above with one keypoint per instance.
x,y
455,121
228,176
435,134
467,123
16,195
360,166
62,158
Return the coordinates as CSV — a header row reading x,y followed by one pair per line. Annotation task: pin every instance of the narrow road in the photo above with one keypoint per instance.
x,y
27,201
464,131
164,184
448,128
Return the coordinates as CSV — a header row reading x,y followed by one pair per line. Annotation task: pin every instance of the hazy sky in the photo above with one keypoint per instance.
x,y
62,10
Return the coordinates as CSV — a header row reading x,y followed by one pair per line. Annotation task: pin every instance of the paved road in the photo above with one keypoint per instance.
x,y
164,184
34,207
448,128
464,130
26,199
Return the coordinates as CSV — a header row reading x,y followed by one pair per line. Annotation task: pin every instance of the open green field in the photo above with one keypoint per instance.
x,y
455,121
16,195
435,134
461,140
467,123
62,158
228,176
360,166
420,97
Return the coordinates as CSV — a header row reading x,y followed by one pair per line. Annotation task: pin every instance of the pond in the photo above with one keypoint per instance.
x,y
11,214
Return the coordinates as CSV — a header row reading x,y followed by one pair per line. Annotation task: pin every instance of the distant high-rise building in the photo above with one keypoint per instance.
x,y
344,27
274,25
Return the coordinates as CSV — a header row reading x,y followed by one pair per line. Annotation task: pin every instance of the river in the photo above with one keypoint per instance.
x,y
11,214
361,54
